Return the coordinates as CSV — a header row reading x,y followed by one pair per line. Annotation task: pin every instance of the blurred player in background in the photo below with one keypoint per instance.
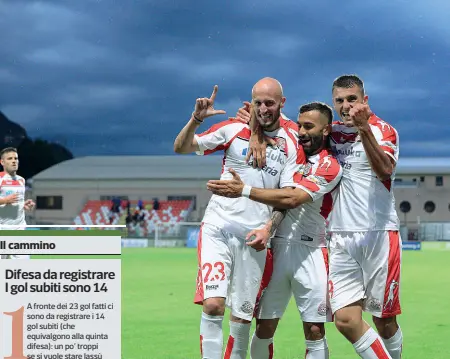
x,y
365,246
230,269
12,195
300,256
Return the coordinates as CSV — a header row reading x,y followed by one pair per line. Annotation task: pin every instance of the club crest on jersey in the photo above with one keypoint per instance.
x,y
280,143
304,169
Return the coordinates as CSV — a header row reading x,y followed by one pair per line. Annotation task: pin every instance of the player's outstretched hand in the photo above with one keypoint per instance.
x,y
259,243
204,107
360,114
29,205
227,188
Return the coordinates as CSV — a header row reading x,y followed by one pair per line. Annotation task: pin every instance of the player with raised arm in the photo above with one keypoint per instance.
x,y
230,269
299,247
12,195
365,246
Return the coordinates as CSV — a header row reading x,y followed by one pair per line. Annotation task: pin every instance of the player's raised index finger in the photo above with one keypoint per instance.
x,y
214,93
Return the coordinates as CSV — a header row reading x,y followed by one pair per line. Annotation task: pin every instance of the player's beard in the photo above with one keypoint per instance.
x,y
312,144
272,123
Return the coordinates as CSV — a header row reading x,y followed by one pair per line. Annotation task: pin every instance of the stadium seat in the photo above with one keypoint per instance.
x,y
169,212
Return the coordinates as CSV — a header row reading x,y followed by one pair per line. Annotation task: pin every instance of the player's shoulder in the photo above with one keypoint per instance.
x,y
288,124
381,124
2,174
326,160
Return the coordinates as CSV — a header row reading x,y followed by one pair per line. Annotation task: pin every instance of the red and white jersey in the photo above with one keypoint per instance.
x,y
241,215
12,214
307,223
363,202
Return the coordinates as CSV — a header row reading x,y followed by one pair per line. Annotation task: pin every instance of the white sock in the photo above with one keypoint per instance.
x,y
261,348
394,344
211,336
370,346
237,346
317,349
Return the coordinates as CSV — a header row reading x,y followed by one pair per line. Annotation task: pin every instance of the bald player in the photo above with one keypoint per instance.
x,y
230,267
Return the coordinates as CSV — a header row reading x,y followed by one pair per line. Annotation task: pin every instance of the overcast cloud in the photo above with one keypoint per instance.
x,y
122,77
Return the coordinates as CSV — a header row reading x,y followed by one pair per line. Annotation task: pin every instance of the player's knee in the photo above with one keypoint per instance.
x,y
386,327
314,331
345,322
265,328
214,306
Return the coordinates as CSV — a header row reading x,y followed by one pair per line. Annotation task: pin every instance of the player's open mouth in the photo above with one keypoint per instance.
x,y
305,142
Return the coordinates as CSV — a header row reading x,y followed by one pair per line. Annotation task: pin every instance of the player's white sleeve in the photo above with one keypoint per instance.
x,y
322,180
387,138
217,137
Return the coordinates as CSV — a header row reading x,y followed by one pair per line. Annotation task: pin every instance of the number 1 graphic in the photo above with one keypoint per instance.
x,y
17,334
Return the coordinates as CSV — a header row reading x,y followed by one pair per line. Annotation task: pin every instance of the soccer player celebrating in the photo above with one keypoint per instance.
x,y
299,247
365,246
230,270
12,194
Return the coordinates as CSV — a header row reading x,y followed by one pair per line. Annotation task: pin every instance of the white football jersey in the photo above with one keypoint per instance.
x,y
241,215
363,202
12,214
307,223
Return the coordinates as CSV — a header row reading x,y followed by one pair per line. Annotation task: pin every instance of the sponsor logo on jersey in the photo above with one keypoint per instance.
x,y
320,181
212,287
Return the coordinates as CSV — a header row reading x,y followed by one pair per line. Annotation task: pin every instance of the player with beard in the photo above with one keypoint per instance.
x,y
300,257
365,245
230,268
12,195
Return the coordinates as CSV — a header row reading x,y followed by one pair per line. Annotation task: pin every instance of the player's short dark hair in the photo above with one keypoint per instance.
x,y
7,150
349,81
322,107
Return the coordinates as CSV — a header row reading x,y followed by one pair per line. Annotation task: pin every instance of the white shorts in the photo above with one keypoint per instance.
x,y
366,265
230,269
302,271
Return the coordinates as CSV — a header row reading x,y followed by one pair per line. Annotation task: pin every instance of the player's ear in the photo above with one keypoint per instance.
x,y
283,100
366,99
327,130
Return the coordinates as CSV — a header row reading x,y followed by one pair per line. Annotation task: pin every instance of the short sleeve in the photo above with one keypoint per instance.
x,y
217,137
322,180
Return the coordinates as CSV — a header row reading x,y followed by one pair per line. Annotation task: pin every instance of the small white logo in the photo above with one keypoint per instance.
x,y
390,300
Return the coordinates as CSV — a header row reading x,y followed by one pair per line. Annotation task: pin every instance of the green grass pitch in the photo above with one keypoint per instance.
x,y
159,320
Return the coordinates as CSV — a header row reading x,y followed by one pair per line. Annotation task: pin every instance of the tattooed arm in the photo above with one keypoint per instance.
x,y
277,217
263,235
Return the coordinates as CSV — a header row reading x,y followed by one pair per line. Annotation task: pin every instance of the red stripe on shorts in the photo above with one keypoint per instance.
x,y
270,350
391,305
199,295
326,259
267,275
